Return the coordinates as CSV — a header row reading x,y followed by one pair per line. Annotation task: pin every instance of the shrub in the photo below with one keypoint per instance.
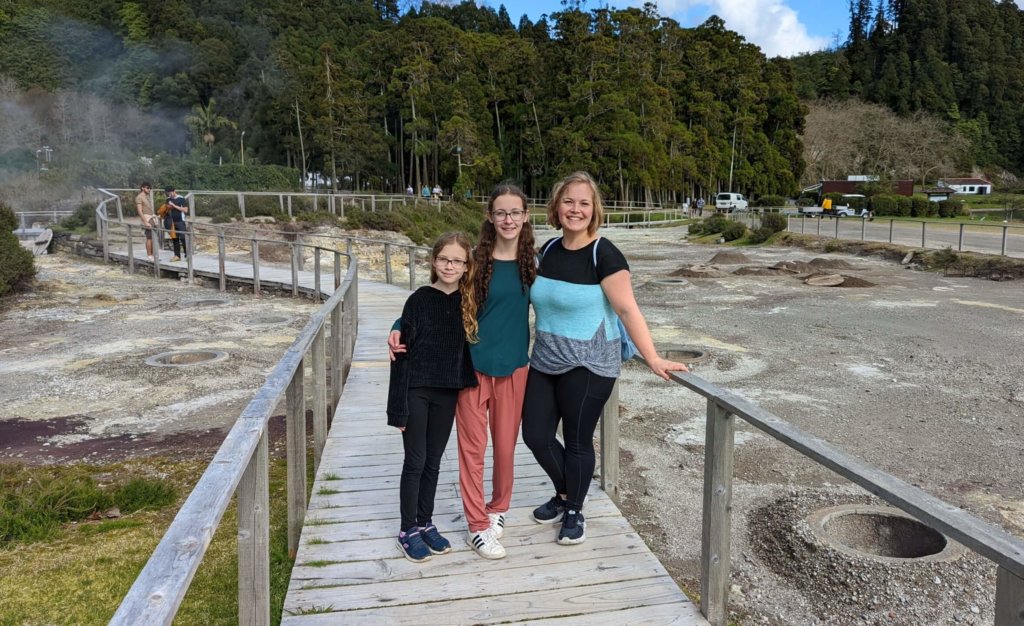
x,y
760,235
905,206
770,200
320,218
710,225
84,218
884,204
733,230
922,206
806,201
17,267
774,222
949,208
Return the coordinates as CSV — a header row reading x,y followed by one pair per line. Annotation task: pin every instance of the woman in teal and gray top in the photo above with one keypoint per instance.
x,y
582,287
505,268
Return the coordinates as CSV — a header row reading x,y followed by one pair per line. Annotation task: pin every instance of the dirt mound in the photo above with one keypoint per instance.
x,y
836,264
699,271
853,281
751,270
729,258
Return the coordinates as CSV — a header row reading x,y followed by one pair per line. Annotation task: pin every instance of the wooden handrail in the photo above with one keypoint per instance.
x,y
989,541
240,466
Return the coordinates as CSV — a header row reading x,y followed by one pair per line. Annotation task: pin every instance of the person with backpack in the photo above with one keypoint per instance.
x,y
584,303
174,222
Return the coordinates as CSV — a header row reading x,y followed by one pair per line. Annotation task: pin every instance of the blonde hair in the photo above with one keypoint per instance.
x,y
559,190
469,302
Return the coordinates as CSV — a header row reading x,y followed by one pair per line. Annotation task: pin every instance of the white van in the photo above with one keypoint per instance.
x,y
727,202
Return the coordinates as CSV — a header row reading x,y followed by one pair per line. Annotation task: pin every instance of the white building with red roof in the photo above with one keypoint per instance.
x,y
978,186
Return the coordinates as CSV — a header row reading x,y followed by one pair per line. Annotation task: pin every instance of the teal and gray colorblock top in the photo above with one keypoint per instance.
x,y
575,323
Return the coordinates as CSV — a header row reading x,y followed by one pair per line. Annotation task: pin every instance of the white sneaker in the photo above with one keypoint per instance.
x,y
485,544
150,257
497,524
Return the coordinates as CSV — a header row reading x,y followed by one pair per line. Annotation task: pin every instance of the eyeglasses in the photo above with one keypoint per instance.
x,y
516,215
443,261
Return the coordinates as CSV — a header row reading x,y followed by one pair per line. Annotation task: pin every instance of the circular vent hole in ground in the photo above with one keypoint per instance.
x,y
877,533
685,354
203,302
186,358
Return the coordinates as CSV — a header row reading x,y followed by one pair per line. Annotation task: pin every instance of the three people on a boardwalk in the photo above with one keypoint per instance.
x,y
580,289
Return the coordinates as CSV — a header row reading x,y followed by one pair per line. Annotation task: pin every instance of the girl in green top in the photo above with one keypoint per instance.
x,y
505,268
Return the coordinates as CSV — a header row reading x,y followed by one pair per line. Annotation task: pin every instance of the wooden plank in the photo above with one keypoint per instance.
x,y
254,539
496,609
660,614
296,456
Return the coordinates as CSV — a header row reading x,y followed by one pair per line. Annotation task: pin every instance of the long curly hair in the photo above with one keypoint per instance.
x,y
466,282
483,259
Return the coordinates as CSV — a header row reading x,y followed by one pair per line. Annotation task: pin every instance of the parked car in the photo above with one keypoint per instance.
x,y
727,202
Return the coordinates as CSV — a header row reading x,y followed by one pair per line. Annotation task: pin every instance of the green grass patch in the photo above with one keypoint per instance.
x,y
80,573
331,476
318,563
327,491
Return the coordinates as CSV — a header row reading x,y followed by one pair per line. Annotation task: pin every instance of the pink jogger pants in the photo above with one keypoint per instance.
x,y
502,399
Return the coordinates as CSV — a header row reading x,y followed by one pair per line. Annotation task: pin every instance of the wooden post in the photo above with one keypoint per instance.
x,y
241,204
221,254
296,446
105,227
803,220
819,225
837,218
863,227
387,263
131,251
412,268
1003,251
295,268
256,266
337,364
890,230
717,521
319,397
337,270
960,241
289,205
253,497
191,251
316,275
610,445
1009,599
923,226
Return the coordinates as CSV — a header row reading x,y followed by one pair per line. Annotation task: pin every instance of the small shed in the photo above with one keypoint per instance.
x,y
938,194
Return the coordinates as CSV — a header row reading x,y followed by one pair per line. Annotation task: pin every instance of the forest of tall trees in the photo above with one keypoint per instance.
x,y
453,95
364,96
961,61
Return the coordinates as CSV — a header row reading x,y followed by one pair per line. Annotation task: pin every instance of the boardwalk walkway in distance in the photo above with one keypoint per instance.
x,y
350,570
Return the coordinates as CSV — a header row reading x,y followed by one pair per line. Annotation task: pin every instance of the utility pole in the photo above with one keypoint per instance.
x,y
302,145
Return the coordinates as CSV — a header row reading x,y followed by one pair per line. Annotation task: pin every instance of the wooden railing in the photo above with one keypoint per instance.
x,y
240,466
291,203
723,407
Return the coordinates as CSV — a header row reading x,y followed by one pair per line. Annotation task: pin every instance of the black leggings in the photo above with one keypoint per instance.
x,y
431,415
576,398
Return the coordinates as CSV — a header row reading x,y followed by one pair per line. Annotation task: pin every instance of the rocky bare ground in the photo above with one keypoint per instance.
x,y
917,374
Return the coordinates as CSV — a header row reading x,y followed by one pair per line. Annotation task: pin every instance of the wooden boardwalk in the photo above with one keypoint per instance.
x,y
350,570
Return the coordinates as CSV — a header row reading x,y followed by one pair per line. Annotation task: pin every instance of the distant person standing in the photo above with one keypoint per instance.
x,y
436,192
700,207
144,207
174,221
409,191
425,192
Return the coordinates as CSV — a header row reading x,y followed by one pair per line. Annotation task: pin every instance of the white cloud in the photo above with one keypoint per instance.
x,y
770,24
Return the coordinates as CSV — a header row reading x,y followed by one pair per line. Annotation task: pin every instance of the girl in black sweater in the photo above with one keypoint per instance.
x,y
425,383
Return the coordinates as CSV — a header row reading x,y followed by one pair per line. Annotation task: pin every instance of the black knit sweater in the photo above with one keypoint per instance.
x,y
437,354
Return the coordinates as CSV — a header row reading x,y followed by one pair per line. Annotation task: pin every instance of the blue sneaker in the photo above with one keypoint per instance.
x,y
573,529
549,512
413,547
434,540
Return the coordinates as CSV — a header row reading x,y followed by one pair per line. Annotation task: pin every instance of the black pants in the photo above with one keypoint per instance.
x,y
180,230
431,415
576,398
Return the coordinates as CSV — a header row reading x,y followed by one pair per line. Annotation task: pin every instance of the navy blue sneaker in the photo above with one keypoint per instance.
x,y
413,547
573,529
549,512
434,540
